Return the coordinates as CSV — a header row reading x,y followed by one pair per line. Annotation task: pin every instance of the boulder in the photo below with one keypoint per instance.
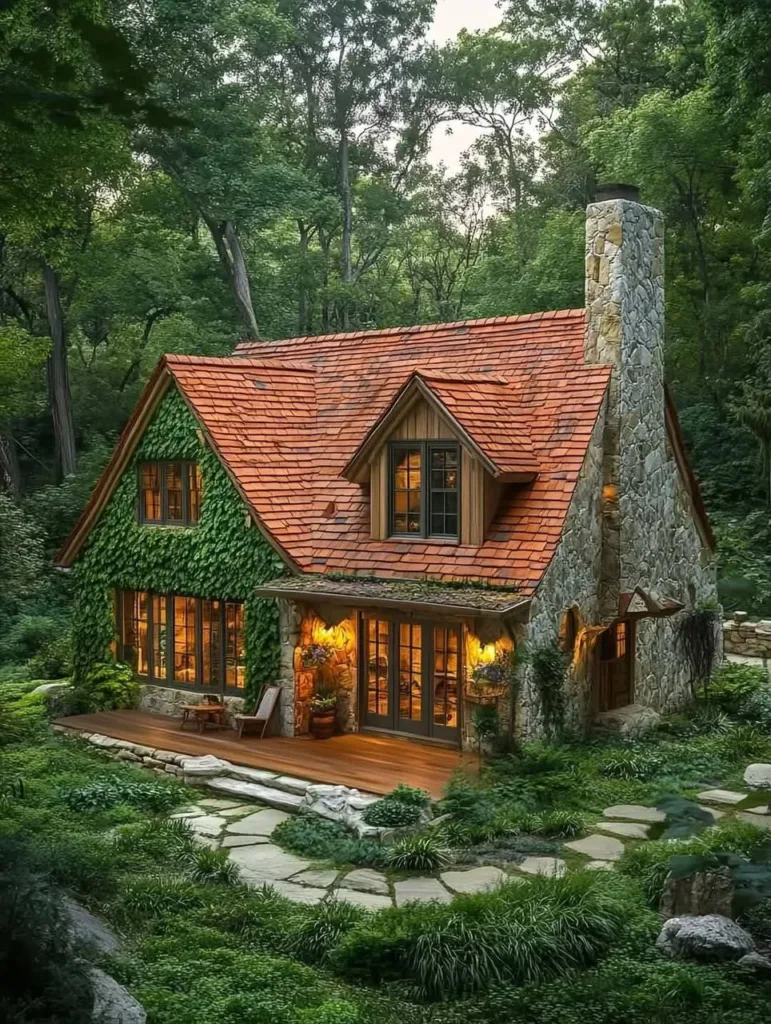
x,y
632,720
758,776
88,930
203,767
705,892
706,937
113,1004
755,962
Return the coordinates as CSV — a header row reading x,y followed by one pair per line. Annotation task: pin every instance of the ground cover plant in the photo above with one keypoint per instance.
x,y
197,943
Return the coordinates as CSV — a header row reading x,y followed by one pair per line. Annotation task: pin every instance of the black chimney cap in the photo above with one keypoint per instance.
x,y
614,190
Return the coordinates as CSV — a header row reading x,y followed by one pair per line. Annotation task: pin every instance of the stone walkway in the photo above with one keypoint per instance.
x,y
245,829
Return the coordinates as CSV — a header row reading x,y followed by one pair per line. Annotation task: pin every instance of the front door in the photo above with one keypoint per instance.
x,y
411,676
615,666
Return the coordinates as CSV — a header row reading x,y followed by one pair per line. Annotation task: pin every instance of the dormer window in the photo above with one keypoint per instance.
x,y
424,485
169,493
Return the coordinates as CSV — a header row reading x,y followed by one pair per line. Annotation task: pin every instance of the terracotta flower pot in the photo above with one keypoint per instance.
x,y
322,724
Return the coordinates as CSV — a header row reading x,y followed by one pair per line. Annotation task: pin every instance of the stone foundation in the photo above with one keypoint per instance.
x,y
745,638
167,700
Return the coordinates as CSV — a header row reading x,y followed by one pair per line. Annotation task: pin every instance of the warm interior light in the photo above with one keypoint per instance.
x,y
609,492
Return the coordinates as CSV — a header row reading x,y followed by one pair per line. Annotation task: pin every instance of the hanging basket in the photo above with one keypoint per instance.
x,y
484,693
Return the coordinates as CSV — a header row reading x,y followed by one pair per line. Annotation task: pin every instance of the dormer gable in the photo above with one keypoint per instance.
x,y
438,456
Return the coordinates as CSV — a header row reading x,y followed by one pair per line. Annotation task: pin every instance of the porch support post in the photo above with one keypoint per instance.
x,y
289,631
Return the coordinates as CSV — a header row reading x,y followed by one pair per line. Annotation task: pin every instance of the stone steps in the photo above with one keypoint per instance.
x,y
265,794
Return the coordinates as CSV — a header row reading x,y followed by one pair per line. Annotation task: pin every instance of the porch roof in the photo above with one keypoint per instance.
x,y
427,595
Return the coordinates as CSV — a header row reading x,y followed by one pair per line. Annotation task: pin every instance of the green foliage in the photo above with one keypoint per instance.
x,y
561,824
222,557
42,982
514,935
392,812
22,714
734,684
697,637
630,764
213,866
410,795
548,665
155,896
424,852
105,686
112,790
319,839
321,931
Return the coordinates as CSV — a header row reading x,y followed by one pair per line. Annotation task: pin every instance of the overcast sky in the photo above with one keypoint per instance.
x,y
451,17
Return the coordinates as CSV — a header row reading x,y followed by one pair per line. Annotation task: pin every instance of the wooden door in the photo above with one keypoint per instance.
x,y
616,666
411,673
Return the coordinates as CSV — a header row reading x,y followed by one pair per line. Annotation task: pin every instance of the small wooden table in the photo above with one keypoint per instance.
x,y
203,714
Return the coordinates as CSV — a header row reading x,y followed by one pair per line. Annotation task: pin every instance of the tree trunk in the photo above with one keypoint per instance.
x,y
233,262
345,197
58,377
10,473
302,297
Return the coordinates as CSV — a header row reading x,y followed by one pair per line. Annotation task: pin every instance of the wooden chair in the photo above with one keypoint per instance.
x,y
263,711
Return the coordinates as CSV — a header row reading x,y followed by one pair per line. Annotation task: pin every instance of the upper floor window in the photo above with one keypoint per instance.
x,y
169,492
424,487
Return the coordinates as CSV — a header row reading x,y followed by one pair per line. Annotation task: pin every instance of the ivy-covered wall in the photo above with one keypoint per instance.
x,y
224,556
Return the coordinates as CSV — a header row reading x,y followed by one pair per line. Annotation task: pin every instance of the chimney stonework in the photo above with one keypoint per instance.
x,y
625,328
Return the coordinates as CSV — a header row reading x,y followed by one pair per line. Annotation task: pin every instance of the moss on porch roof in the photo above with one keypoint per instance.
x,y
458,597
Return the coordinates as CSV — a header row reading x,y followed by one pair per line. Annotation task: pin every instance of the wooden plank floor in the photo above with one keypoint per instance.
x,y
369,762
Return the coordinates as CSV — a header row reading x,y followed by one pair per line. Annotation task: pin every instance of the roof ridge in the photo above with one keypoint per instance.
x,y
238,362
555,314
460,378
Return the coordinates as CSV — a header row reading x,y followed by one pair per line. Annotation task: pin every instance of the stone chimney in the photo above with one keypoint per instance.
x,y
625,328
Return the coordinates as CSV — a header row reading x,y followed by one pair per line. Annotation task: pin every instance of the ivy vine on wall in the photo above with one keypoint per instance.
x,y
223,556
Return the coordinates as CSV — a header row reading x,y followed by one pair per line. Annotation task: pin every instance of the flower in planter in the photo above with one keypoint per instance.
x,y
324,702
315,654
491,678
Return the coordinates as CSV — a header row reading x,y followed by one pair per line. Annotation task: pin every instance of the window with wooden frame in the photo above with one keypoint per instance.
x,y
183,641
424,492
169,493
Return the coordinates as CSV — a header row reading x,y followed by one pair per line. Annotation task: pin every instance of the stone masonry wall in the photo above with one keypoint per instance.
x,y
570,581
168,700
749,639
650,538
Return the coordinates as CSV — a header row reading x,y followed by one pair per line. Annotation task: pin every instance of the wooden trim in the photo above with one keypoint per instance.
x,y
687,475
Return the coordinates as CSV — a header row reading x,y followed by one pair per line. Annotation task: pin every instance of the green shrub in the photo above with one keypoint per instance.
x,y
107,792
82,862
410,795
468,803
22,714
419,853
208,865
561,824
106,687
42,983
161,841
322,930
630,764
756,709
314,837
392,813
734,683
152,896
516,934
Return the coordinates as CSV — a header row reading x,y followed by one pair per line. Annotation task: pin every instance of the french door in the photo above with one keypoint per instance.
x,y
616,666
411,676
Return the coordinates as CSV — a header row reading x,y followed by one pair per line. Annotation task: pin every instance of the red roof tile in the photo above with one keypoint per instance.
x,y
287,416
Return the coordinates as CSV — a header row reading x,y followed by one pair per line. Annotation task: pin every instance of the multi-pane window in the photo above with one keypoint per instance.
x,y
410,671
445,677
425,484
443,492
169,493
377,639
189,641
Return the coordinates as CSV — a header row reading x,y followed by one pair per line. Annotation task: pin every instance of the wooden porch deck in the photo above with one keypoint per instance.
x,y
369,762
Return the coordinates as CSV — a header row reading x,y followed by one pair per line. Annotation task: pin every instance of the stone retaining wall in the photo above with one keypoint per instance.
x,y
749,639
167,700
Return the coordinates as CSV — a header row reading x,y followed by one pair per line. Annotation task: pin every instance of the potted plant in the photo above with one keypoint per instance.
x,y
323,712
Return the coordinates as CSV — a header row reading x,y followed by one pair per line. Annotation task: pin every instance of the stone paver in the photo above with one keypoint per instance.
x,y
261,823
634,812
267,863
365,900
203,840
624,829
721,796
599,865
365,880
188,812
212,801
253,791
231,842
716,814
597,847
291,785
299,893
552,867
475,880
207,825
420,889
323,877
758,820
238,812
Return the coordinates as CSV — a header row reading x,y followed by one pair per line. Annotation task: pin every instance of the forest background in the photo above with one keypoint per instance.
x,y
179,174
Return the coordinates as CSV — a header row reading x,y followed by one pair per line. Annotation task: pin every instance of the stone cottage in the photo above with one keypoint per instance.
x,y
389,513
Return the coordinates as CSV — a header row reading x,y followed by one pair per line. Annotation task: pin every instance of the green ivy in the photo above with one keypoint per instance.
x,y
225,556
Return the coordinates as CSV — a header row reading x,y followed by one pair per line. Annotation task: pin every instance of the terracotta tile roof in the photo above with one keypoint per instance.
x,y
287,416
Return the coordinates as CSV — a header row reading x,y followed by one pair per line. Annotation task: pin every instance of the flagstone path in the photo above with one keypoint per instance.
x,y
245,829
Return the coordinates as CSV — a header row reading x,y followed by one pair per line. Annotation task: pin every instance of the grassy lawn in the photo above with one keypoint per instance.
x,y
199,946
